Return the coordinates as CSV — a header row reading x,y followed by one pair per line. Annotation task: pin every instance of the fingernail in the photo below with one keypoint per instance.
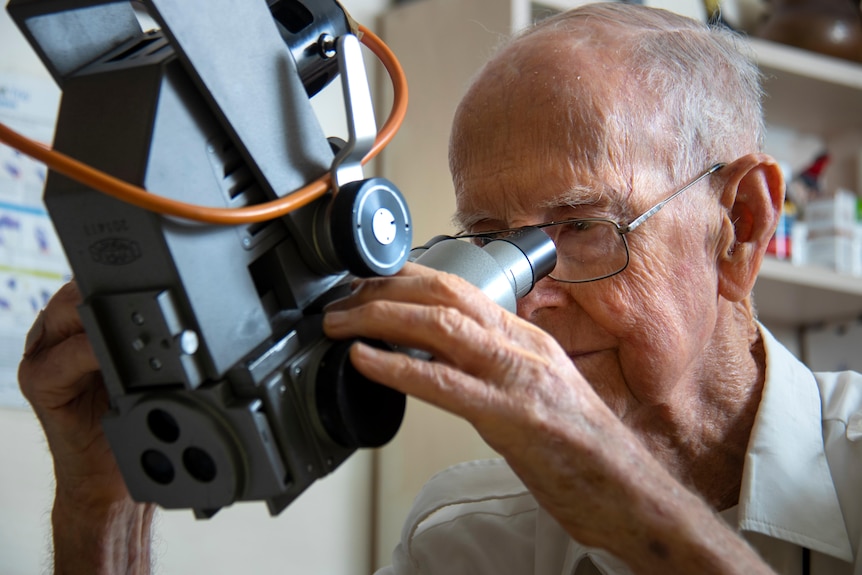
x,y
334,319
35,335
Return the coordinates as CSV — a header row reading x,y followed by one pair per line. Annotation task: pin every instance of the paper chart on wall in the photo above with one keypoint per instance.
x,y
32,263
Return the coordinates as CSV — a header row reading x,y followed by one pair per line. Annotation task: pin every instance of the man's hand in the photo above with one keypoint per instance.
x,y
97,527
505,376
60,377
525,397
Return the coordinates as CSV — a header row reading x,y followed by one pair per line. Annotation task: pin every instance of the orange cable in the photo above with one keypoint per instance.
x,y
272,209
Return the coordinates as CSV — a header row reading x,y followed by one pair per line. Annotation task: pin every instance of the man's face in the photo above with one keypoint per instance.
x,y
638,337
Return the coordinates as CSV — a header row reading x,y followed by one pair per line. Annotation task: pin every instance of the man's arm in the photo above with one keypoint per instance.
x,y
527,400
97,526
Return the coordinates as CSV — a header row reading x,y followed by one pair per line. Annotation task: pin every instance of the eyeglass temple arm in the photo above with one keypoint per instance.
x,y
647,214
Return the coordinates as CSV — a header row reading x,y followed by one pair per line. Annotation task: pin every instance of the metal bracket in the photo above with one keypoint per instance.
x,y
361,126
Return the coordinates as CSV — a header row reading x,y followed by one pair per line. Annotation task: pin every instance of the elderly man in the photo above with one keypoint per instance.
x,y
645,418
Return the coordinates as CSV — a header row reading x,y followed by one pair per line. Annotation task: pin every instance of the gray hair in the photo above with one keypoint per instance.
x,y
700,82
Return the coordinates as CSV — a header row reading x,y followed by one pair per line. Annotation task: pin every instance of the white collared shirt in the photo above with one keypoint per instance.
x,y
801,488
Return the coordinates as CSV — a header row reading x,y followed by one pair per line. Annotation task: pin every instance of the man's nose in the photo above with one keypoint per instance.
x,y
546,294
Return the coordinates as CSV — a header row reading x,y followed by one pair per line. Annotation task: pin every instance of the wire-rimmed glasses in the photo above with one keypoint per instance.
x,y
589,249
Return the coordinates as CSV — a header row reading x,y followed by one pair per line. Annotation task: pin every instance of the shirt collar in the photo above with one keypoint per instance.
x,y
787,490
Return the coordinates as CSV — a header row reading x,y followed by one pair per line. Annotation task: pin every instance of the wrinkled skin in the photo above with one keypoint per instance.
x,y
659,343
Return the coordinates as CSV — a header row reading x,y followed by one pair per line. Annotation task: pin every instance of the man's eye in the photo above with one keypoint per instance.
x,y
578,226
581,226
485,239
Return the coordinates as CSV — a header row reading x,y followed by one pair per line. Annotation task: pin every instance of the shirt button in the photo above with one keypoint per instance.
x,y
854,426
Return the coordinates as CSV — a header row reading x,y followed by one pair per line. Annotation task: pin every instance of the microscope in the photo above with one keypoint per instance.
x,y
203,289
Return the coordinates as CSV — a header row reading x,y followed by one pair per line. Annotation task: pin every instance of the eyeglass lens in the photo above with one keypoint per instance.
x,y
587,250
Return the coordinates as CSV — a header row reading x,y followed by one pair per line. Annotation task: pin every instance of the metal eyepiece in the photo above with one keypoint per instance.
x,y
505,269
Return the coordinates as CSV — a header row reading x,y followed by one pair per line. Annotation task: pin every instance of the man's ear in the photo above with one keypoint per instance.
x,y
753,195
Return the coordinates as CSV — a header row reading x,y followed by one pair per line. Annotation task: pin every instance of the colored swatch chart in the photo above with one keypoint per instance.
x,y
32,263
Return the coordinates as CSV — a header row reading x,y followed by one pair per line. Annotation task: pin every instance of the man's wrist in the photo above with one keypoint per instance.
x,y
104,536
684,535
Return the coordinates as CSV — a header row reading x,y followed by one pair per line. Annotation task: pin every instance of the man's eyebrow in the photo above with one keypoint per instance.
x,y
465,221
573,198
578,196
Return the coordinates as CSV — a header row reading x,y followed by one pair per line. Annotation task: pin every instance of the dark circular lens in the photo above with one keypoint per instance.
x,y
199,464
163,425
157,466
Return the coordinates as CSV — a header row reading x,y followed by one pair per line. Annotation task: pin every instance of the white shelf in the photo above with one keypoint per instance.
x,y
810,65
822,95
791,295
811,92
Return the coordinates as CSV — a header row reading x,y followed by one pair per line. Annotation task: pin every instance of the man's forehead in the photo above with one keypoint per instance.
x,y
536,133
547,68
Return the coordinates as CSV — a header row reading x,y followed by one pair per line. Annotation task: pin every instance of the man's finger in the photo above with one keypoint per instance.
x,y
55,376
58,321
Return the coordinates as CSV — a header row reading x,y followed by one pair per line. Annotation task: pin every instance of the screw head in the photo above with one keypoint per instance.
x,y
188,341
326,43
